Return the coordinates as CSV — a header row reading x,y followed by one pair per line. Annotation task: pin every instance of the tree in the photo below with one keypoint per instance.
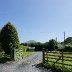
x,y
45,45
24,44
52,45
9,38
68,40
0,40
38,46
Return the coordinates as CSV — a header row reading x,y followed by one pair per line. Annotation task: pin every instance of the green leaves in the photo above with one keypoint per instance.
x,y
52,45
9,38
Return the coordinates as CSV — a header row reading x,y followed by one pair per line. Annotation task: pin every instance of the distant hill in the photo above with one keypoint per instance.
x,y
31,41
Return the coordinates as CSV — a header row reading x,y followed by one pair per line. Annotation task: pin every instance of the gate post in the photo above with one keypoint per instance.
x,y
62,61
12,53
43,55
63,54
47,55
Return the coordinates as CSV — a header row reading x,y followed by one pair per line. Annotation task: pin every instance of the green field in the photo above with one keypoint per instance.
x,y
52,57
21,54
24,54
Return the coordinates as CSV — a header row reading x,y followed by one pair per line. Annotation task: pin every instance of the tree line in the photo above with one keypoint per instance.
x,y
52,45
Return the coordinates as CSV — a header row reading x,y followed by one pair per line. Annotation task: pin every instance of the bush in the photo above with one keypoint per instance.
x,y
9,38
0,40
68,48
4,57
52,45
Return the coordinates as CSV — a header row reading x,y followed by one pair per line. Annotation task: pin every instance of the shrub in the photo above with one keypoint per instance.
x,y
0,40
68,48
9,38
52,45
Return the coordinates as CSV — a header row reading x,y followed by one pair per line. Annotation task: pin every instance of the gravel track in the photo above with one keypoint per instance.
x,y
27,64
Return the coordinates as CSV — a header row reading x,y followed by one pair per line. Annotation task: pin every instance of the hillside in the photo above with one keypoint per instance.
x,y
31,41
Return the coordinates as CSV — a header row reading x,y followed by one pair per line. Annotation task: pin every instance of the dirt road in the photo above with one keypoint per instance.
x,y
27,64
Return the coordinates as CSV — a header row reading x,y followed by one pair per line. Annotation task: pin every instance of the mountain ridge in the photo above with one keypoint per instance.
x,y
31,41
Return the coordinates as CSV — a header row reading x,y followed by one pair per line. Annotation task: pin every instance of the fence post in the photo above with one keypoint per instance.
x,y
43,55
63,54
62,60
12,53
47,55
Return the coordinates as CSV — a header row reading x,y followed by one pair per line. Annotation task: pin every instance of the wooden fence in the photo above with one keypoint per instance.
x,y
63,58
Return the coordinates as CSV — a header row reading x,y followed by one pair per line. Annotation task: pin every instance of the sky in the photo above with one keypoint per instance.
x,y
39,20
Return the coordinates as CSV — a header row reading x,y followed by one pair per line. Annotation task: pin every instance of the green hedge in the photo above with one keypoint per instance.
x,y
68,48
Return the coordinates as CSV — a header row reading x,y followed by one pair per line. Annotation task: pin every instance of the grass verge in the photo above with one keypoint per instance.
x,y
20,55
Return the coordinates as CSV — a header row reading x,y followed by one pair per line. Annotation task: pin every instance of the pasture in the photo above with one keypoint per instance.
x,y
55,61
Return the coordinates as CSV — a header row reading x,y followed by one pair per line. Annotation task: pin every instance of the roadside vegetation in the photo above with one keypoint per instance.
x,y
22,52
52,58
4,57
21,55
